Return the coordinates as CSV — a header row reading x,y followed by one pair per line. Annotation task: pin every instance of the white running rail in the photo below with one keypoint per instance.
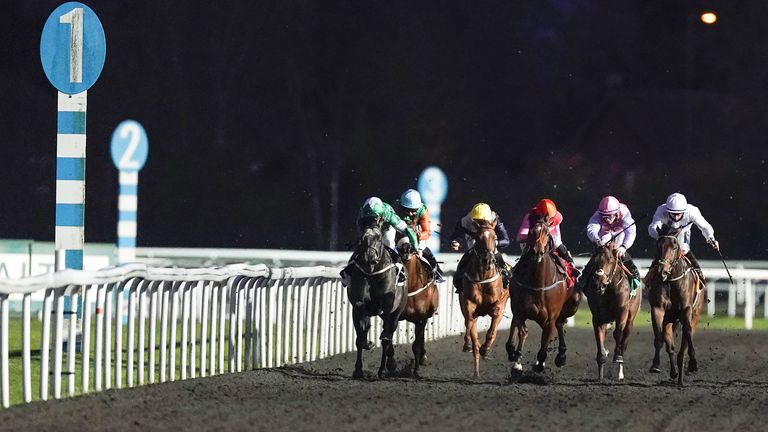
x,y
183,323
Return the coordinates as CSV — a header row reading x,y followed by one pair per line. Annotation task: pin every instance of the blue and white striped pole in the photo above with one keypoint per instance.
x,y
433,187
70,180
127,206
129,153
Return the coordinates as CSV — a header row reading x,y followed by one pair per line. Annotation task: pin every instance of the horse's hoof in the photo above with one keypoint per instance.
x,y
483,350
517,367
381,373
369,346
618,359
358,374
673,373
538,367
693,367
560,360
423,360
655,369
466,348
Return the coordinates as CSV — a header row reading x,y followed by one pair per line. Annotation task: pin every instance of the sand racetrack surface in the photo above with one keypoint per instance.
x,y
730,392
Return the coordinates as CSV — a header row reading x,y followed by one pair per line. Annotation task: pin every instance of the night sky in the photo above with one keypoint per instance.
x,y
269,123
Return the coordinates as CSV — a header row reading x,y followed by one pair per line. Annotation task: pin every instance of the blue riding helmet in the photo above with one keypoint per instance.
x,y
411,199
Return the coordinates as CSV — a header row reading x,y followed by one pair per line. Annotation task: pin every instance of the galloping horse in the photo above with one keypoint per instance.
x,y
609,301
373,291
422,302
482,292
675,297
540,292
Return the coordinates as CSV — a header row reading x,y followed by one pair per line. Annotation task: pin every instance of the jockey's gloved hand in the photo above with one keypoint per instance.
x,y
715,244
620,252
455,245
605,239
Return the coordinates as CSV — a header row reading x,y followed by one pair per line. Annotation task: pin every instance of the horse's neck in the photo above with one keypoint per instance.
x,y
477,268
417,271
540,272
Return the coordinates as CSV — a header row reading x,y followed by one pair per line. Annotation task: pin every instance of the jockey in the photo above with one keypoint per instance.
x,y
415,213
677,213
465,230
613,221
373,208
545,208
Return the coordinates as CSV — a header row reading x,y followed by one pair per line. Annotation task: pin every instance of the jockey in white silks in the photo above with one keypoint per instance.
x,y
677,213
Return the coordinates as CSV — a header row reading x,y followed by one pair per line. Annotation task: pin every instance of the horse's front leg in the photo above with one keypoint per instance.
x,y
547,334
522,335
669,341
657,321
619,333
467,338
490,336
561,347
419,352
602,353
387,347
362,323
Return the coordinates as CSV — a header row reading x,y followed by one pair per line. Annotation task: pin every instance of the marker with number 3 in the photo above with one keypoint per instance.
x,y
129,153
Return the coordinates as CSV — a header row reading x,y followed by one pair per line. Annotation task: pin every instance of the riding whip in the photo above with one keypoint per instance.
x,y
627,227
725,265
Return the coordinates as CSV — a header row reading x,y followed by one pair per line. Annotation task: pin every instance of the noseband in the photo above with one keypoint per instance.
x,y
600,272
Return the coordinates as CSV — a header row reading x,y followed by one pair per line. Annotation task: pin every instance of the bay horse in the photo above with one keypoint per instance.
x,y
482,292
423,299
540,292
675,298
609,301
373,291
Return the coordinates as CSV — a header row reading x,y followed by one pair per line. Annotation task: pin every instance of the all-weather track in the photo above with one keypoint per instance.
x,y
729,393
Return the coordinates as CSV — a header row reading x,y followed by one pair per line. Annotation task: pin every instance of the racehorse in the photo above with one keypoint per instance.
x,y
422,296
608,293
373,291
540,291
482,292
675,296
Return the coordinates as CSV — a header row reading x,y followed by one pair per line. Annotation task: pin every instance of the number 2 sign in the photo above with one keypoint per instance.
x,y
73,48
129,146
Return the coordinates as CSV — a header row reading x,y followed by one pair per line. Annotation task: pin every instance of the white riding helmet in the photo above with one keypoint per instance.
x,y
676,203
411,199
372,202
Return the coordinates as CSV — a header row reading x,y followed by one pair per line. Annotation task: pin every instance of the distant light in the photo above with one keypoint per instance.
x,y
708,17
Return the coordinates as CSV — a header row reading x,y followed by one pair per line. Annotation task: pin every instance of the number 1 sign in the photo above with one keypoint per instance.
x,y
129,153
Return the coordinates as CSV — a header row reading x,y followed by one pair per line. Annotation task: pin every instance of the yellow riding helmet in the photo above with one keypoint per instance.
x,y
481,211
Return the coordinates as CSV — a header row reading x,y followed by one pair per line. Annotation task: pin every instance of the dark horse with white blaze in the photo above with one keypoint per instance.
x,y
423,299
539,291
482,292
373,291
676,297
608,292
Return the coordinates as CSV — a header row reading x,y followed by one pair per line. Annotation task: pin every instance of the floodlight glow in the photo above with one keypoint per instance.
x,y
708,17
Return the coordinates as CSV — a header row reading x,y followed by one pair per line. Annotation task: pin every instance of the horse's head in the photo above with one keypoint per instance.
x,y
405,249
371,248
538,237
605,264
668,253
485,241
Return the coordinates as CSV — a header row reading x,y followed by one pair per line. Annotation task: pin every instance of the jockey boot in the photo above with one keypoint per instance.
x,y
695,265
587,274
635,281
437,273
563,252
401,276
458,275
505,270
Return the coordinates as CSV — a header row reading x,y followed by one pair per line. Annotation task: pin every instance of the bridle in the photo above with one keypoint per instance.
x,y
678,256
377,246
602,286
486,256
542,229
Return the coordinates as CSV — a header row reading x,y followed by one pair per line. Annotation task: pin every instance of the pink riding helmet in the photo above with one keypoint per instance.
x,y
608,206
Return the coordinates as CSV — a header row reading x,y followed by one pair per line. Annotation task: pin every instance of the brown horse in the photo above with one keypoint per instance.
x,y
610,302
482,292
539,292
423,299
675,297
